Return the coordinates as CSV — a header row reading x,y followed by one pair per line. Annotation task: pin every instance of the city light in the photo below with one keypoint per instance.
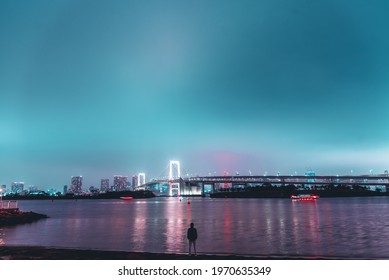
x,y
141,179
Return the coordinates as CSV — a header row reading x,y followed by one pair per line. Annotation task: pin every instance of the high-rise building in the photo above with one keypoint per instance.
x,y
120,182
104,187
65,189
141,179
3,189
76,184
17,187
134,181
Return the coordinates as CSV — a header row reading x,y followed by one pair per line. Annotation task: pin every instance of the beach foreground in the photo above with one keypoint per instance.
x,y
45,253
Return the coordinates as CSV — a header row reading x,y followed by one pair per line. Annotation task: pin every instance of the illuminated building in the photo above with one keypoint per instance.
x,y
120,183
134,181
104,186
141,179
76,184
17,187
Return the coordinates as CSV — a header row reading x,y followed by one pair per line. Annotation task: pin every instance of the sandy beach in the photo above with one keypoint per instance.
x,y
45,253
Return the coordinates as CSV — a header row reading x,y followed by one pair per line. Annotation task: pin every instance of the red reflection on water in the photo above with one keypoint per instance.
x,y
306,224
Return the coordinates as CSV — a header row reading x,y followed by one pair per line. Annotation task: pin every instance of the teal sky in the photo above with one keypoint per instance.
x,y
100,88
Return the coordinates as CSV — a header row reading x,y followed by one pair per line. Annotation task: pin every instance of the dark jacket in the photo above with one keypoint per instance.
x,y
192,234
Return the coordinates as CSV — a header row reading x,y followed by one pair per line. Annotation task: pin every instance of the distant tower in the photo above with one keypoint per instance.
x,y
174,169
76,184
65,189
104,187
141,179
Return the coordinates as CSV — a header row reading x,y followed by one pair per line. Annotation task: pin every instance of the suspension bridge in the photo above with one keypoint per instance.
x,y
176,184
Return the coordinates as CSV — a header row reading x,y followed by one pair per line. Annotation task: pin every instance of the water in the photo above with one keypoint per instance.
x,y
330,227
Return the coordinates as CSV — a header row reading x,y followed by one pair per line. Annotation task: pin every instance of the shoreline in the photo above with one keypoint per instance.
x,y
9,252
18,252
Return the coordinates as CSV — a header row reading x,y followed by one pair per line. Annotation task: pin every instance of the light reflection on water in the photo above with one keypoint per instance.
x,y
330,227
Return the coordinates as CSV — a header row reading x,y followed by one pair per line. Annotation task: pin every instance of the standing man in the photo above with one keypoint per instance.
x,y
192,236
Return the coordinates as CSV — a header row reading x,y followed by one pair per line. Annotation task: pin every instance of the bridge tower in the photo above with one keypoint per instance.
x,y
174,174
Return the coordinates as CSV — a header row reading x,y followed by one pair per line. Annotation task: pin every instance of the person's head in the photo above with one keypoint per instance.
x,y
191,225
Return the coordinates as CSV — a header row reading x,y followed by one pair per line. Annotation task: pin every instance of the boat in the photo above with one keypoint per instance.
x,y
305,197
126,197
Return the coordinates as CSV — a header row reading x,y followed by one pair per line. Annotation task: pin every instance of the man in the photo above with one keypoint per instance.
x,y
192,236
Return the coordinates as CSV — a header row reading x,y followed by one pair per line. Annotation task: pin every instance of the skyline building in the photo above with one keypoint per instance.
x,y
141,179
3,189
134,181
65,189
76,184
17,187
104,186
120,183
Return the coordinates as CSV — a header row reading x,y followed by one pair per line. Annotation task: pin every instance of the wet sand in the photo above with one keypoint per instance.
x,y
45,253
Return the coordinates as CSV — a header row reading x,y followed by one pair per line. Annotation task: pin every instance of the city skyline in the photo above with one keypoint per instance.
x,y
95,88
120,185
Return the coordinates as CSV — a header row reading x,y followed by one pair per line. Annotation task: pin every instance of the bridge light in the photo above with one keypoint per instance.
x,y
174,164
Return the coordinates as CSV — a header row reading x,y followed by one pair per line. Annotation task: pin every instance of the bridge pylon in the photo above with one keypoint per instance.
x,y
174,174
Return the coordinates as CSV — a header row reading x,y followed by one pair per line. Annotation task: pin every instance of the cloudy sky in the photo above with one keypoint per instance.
x,y
100,88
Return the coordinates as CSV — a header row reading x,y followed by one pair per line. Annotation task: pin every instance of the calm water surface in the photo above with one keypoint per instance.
x,y
330,227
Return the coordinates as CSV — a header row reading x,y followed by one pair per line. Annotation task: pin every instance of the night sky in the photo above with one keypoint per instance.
x,y
101,88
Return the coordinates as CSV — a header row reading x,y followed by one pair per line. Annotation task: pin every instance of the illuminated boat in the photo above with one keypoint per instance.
x,y
126,197
305,197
